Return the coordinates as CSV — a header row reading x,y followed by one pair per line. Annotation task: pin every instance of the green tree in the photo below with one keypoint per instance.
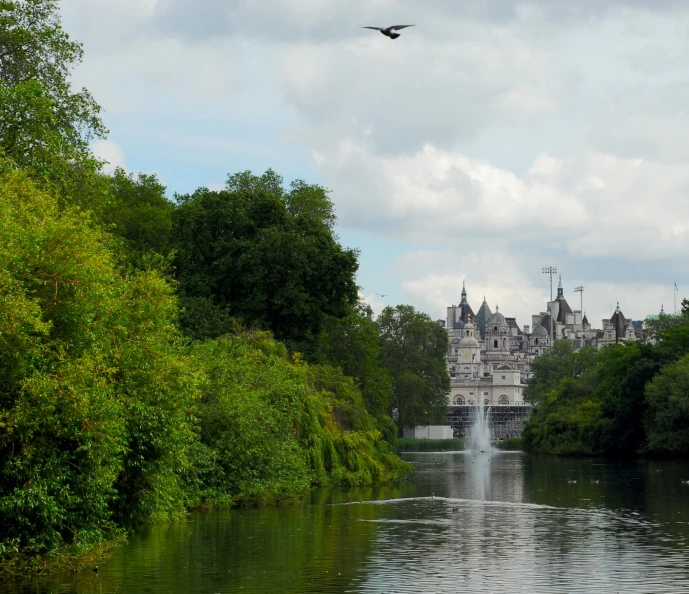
x,y
264,256
352,344
559,363
45,126
96,397
141,215
413,348
667,420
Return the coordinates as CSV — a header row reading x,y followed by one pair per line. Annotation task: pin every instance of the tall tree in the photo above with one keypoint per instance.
x,y
413,349
44,125
352,344
263,255
141,215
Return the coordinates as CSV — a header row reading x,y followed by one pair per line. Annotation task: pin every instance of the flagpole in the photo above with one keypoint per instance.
x,y
674,297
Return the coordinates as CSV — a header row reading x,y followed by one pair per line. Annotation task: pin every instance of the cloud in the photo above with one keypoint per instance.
x,y
111,153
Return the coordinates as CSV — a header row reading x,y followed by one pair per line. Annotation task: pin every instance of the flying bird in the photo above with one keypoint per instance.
x,y
389,31
382,295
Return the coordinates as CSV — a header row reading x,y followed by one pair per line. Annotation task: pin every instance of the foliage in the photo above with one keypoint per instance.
x,y
45,126
608,402
141,215
352,344
272,426
265,256
410,444
667,421
95,396
510,444
412,348
560,362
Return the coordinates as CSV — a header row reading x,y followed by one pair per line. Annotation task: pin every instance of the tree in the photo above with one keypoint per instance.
x,y
264,256
413,348
96,395
559,363
667,420
141,215
45,126
352,344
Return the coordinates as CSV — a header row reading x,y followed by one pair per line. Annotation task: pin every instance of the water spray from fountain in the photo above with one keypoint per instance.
x,y
479,437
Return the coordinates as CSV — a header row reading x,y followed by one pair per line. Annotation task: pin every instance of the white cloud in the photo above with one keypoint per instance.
x,y
111,153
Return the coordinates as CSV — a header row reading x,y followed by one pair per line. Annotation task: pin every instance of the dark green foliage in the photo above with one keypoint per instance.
x,y
413,348
352,344
265,256
141,215
609,402
510,444
410,444
667,421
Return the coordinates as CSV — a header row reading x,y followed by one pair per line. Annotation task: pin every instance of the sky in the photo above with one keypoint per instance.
x,y
490,140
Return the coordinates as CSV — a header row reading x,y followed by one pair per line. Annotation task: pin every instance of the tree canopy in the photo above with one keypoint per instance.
x,y
263,255
413,348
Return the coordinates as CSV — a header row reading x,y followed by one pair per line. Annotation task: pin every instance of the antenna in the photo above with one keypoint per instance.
x,y
580,290
550,270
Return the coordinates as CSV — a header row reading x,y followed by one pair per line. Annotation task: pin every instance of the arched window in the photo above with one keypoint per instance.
x,y
536,342
459,400
495,343
495,329
504,400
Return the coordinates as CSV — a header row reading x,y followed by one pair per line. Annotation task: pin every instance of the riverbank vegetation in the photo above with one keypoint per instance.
x,y
626,399
410,444
161,355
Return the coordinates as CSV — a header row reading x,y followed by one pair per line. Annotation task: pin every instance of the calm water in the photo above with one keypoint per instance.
x,y
518,526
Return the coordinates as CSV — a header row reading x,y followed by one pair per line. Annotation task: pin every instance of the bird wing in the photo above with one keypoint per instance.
x,y
398,27
374,28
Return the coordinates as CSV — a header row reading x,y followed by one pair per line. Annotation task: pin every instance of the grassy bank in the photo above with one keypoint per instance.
x,y
408,444
511,444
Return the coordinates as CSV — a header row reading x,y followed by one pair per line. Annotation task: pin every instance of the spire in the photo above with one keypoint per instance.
x,y
464,291
662,309
496,308
560,295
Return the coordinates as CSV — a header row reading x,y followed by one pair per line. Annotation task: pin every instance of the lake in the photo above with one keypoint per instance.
x,y
498,522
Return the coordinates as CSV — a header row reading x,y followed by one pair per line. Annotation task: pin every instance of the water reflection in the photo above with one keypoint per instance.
x,y
498,522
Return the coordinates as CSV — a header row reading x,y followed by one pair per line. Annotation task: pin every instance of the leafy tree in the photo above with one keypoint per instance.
x,y
667,420
141,215
95,393
44,125
273,426
413,348
352,344
559,363
265,256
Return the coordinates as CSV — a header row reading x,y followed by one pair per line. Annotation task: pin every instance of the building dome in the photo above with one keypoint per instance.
x,y
469,326
497,319
468,342
540,332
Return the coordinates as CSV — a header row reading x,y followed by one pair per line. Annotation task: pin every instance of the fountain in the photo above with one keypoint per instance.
x,y
479,437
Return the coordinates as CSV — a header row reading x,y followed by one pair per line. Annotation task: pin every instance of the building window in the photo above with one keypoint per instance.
x,y
471,393
537,341
485,393
459,400
495,329
495,344
504,377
